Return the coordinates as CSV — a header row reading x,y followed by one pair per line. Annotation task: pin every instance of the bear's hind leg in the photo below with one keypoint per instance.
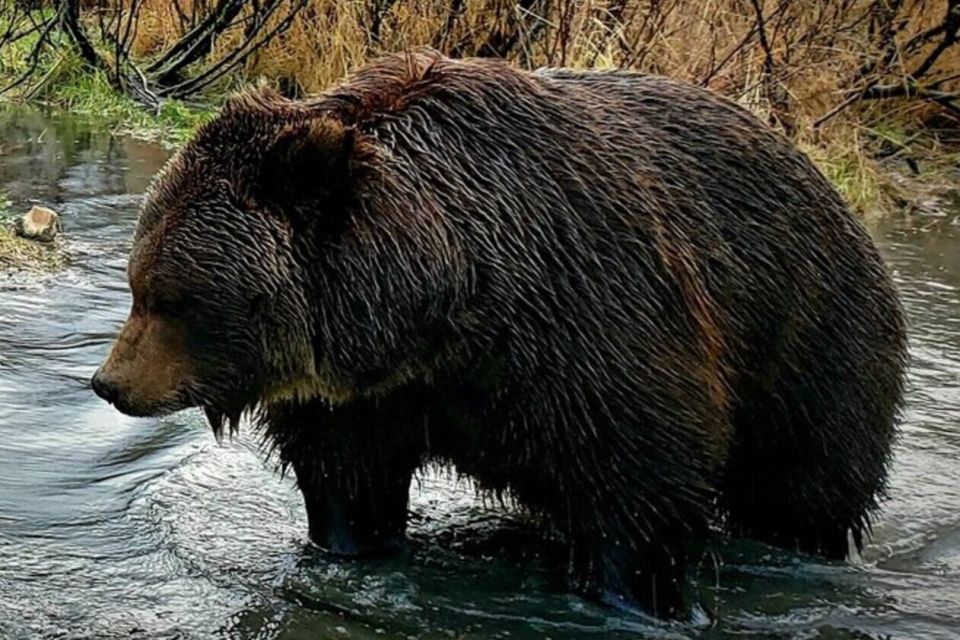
x,y
353,466
811,449
635,513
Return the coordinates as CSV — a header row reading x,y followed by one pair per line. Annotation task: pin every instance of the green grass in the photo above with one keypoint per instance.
x,y
62,82
78,90
852,174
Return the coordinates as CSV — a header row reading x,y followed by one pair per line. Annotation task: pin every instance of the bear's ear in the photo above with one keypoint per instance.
x,y
307,165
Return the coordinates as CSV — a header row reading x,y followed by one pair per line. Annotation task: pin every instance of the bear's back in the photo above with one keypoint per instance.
x,y
599,198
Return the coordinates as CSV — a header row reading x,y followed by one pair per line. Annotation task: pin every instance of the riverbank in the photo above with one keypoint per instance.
x,y
17,253
63,83
867,164
881,154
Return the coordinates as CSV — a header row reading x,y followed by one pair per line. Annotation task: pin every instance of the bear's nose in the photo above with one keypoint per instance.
x,y
104,387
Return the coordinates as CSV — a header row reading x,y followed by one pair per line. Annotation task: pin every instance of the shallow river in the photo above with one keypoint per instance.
x,y
114,527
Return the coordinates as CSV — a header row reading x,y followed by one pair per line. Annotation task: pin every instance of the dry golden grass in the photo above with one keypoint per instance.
x,y
807,63
815,46
157,26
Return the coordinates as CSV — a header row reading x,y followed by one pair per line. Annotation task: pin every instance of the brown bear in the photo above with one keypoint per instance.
x,y
616,297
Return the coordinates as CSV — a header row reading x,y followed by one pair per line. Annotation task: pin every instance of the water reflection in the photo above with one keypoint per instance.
x,y
115,527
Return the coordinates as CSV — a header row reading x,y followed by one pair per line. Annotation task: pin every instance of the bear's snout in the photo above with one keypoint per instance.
x,y
131,401
147,370
104,387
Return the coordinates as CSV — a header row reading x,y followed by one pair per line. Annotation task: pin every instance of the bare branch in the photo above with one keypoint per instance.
x,y
196,43
236,57
34,55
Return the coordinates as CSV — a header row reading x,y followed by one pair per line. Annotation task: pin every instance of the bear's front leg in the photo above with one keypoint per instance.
x,y
631,574
353,465
360,512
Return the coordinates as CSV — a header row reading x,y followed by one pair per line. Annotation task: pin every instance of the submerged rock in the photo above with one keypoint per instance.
x,y
40,224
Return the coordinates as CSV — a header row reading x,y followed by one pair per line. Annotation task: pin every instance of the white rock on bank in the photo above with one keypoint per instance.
x,y
40,224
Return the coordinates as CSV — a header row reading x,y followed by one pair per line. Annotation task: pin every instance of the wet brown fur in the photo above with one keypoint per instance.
x,y
618,297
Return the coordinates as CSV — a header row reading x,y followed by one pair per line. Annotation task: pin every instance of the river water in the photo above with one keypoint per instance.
x,y
114,527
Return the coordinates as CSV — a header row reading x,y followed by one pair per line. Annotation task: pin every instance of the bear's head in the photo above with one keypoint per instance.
x,y
237,297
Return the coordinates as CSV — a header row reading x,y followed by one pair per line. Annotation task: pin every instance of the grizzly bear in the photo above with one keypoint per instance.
x,y
618,298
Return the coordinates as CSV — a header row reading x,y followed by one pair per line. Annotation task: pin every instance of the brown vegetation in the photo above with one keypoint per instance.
x,y
800,61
